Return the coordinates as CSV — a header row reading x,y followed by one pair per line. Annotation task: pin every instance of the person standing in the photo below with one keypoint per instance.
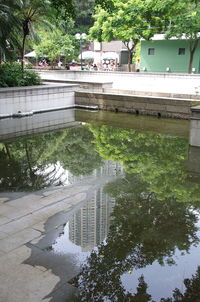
x,y
137,65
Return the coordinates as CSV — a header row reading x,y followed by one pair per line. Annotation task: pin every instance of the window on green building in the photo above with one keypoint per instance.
x,y
181,51
151,51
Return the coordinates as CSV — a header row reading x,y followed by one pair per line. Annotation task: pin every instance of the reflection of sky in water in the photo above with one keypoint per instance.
x,y
60,174
162,280
64,246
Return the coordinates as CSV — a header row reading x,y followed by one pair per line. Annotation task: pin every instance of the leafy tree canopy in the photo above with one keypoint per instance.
x,y
54,45
128,21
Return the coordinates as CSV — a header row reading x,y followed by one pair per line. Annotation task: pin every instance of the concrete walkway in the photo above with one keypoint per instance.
x,y
138,81
22,226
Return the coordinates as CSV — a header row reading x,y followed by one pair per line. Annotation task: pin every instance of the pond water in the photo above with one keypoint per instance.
x,y
136,237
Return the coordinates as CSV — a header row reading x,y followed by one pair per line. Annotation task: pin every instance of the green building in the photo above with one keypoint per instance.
x,y
161,55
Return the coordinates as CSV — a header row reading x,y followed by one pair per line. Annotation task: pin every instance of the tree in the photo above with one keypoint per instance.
x,y
55,44
182,20
64,8
29,14
128,21
83,19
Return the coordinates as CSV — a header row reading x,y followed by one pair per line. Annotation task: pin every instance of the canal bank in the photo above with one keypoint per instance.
x,y
166,95
148,94
147,105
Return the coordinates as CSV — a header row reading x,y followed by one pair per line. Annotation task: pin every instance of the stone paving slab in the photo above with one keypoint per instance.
x,y
3,219
22,229
11,242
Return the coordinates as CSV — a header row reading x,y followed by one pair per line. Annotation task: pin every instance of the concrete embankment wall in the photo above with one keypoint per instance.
x,y
150,105
19,101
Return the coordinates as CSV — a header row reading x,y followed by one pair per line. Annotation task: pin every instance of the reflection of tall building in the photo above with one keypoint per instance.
x,y
90,225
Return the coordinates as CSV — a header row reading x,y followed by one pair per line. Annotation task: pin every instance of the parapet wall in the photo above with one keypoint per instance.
x,y
20,101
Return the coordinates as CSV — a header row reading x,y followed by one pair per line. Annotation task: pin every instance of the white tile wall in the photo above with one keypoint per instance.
x,y
33,98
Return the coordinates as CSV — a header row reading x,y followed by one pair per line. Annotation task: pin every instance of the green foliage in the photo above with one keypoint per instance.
x,y
29,66
128,21
83,19
54,45
106,4
7,22
11,75
30,14
63,7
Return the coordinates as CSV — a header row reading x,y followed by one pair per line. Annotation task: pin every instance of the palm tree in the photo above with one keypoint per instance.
x,y
30,14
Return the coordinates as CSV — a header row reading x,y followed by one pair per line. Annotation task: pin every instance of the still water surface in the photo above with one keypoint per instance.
x,y
137,236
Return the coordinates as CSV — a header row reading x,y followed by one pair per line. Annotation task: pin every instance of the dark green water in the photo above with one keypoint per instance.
x,y
140,238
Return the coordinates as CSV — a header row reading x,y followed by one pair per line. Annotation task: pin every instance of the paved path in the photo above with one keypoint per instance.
x,y
149,82
22,225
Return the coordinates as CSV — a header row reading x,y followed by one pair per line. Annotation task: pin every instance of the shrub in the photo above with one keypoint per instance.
x,y
11,75
28,65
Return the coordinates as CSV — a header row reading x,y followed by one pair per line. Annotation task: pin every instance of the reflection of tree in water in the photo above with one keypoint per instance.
x,y
77,152
31,163
20,172
159,159
144,229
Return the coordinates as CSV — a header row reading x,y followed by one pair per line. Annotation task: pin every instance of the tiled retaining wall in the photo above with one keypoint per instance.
x,y
158,106
27,100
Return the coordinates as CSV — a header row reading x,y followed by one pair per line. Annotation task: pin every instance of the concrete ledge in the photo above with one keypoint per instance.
x,y
22,101
149,105
84,73
97,86
151,93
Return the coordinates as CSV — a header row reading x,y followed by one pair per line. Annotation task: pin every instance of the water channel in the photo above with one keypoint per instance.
x,y
136,236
